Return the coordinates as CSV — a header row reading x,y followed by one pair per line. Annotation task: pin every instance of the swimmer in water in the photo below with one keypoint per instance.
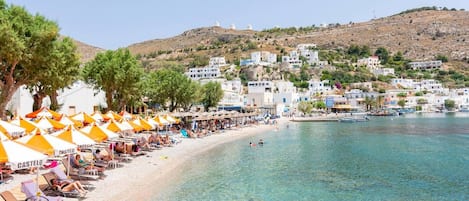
x,y
252,144
261,142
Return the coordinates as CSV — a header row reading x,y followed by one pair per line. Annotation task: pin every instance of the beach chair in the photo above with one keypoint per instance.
x,y
79,173
48,177
32,192
8,196
184,133
61,176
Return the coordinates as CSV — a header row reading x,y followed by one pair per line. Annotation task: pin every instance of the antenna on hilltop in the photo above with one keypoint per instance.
x,y
374,14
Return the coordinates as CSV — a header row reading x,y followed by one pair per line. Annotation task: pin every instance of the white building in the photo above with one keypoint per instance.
x,y
80,97
425,65
203,73
305,46
284,93
217,62
260,93
263,58
383,71
404,83
370,62
321,87
293,60
430,85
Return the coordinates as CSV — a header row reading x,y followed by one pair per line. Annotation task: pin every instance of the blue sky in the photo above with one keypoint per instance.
x,y
111,24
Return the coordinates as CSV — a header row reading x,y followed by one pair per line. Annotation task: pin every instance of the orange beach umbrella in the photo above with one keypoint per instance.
x,y
19,156
28,125
44,112
47,123
48,144
10,129
83,117
72,135
98,133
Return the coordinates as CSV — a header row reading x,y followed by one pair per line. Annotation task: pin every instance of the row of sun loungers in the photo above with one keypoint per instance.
x,y
84,176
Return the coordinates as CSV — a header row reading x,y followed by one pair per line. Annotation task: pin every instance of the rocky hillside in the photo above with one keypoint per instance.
x,y
419,35
87,52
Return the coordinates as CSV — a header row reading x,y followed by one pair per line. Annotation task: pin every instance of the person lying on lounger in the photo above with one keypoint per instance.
x,y
68,186
80,163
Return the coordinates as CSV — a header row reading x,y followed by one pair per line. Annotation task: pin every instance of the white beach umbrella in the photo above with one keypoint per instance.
x,y
72,135
99,133
48,144
11,129
19,156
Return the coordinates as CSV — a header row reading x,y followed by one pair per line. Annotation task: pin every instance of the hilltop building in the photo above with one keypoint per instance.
x,y
425,65
263,58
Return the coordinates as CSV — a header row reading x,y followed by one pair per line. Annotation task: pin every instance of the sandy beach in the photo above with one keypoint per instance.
x,y
139,179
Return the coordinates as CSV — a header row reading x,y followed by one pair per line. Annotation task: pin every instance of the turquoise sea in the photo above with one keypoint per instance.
x,y
415,157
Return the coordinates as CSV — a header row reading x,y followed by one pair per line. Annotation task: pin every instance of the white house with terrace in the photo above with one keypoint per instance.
x,y
208,72
217,62
319,87
263,58
370,62
425,65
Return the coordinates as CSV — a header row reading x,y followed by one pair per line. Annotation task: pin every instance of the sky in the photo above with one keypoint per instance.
x,y
111,24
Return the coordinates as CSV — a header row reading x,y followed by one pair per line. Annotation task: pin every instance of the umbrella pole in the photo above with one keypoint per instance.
x,y
68,166
37,183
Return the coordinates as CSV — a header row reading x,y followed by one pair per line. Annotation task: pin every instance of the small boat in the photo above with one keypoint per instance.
x,y
354,119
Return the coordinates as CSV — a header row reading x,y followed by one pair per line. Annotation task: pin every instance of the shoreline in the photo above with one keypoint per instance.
x,y
143,178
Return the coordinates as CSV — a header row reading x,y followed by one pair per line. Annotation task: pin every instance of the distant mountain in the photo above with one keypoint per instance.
x,y
418,35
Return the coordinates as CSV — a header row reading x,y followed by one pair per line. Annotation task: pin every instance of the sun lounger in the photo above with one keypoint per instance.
x,y
61,176
80,173
32,192
48,177
8,196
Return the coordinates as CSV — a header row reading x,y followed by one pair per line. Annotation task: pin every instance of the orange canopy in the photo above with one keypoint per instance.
x,y
113,115
28,125
83,117
44,112
47,123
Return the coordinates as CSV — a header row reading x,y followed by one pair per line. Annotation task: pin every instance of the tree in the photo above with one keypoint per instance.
x,y
401,103
305,106
118,74
26,42
449,104
383,55
212,94
402,95
398,57
442,58
61,71
167,86
320,105
369,102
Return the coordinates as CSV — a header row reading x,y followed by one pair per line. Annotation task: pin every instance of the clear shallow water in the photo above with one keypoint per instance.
x,y
406,158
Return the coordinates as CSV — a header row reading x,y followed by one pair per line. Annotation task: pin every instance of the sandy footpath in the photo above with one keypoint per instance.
x,y
139,179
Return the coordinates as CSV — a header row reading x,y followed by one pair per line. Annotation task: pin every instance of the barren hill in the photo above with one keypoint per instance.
x,y
87,52
419,35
